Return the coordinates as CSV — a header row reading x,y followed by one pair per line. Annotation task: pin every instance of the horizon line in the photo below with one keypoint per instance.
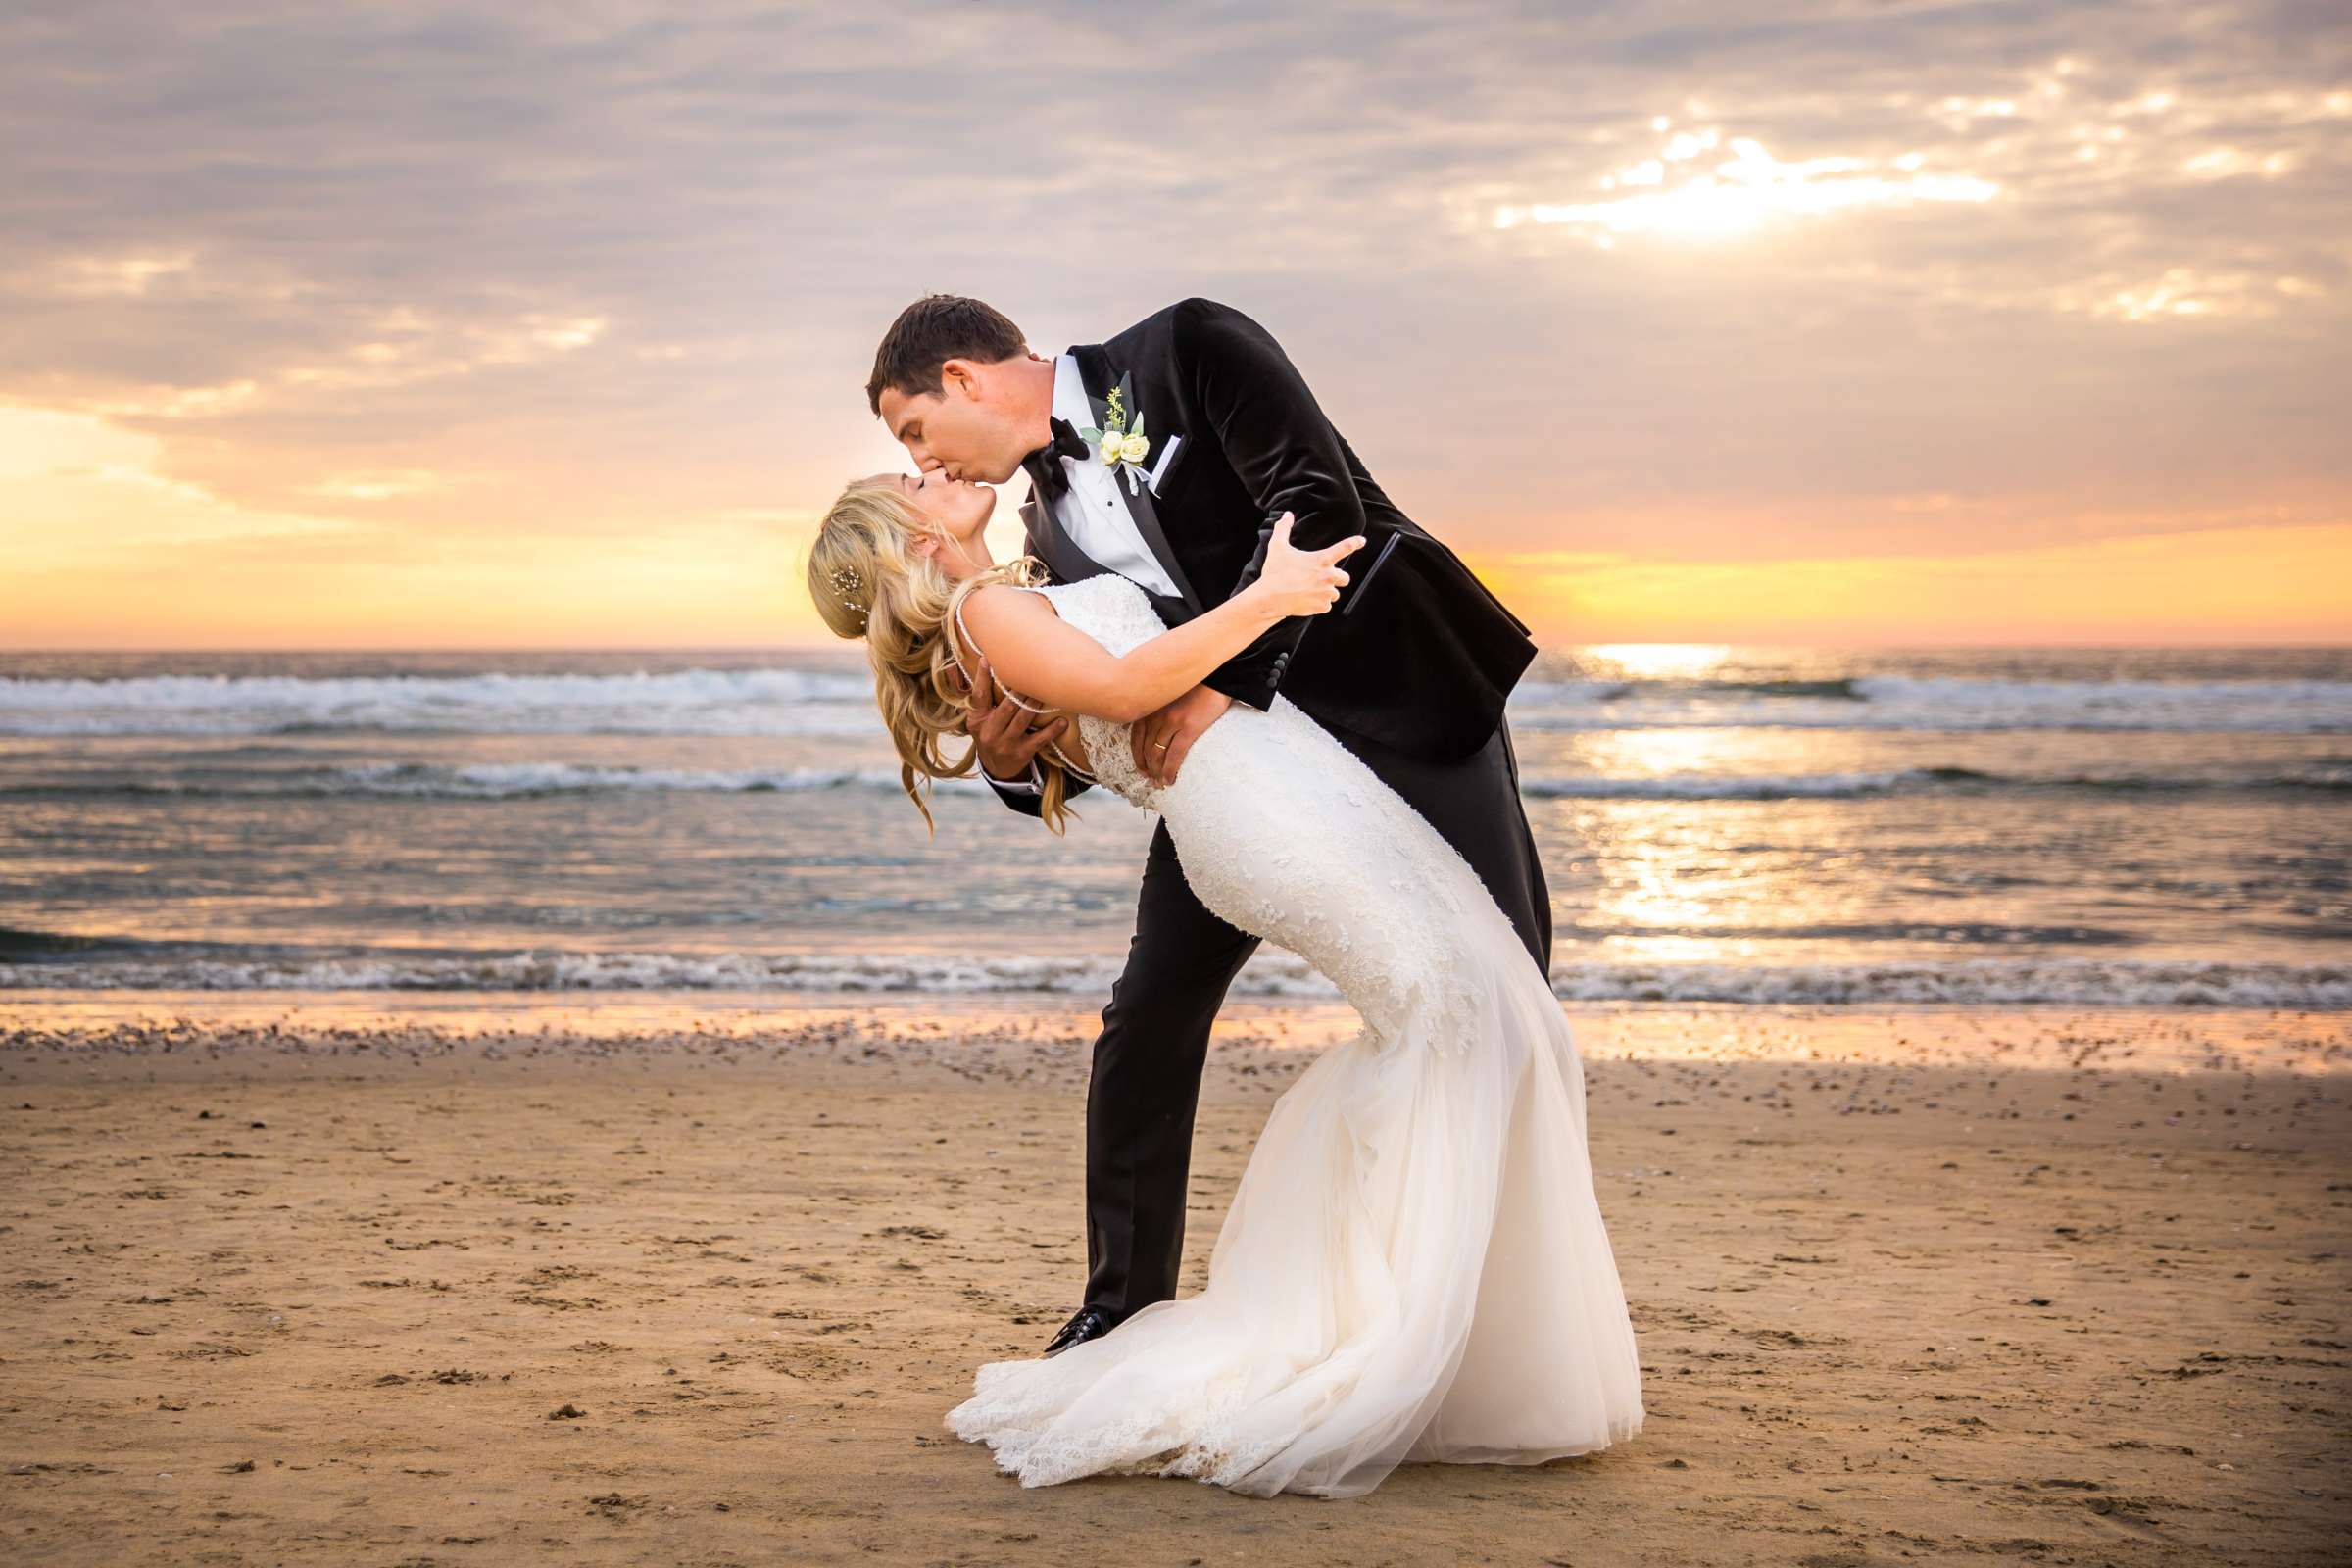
x,y
845,647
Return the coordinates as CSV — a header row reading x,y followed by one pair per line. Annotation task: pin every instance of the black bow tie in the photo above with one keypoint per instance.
x,y
1044,466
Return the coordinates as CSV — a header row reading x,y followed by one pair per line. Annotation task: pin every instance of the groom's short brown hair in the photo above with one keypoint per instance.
x,y
934,329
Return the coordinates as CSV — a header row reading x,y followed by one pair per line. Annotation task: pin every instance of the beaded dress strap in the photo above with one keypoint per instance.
x,y
1015,697
973,643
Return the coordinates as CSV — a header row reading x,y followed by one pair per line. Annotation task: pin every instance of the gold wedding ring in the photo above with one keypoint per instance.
x,y
1162,745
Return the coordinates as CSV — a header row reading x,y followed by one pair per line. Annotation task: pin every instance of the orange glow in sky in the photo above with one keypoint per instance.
x,y
1921,327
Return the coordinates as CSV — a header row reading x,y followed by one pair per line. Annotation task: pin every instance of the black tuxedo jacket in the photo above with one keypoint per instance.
x,y
1416,655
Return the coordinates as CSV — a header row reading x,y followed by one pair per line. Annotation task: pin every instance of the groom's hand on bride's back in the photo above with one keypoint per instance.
x,y
1159,741
1002,728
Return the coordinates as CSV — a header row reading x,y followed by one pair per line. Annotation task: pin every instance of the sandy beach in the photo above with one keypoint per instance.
x,y
290,1282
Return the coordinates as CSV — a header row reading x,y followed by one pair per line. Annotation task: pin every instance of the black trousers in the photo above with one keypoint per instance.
x,y
1146,1080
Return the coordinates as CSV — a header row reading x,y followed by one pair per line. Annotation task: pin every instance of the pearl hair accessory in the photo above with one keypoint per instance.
x,y
847,580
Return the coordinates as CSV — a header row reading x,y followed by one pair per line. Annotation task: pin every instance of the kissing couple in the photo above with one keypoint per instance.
x,y
1221,619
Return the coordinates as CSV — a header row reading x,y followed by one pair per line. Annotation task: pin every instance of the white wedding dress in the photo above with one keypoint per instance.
x,y
1414,1266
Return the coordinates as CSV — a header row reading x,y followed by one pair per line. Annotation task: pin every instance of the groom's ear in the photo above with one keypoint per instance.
x,y
959,375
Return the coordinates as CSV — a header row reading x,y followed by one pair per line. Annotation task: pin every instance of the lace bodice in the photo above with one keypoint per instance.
x,y
1116,614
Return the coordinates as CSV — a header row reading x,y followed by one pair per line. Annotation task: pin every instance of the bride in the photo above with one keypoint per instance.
x,y
1414,1266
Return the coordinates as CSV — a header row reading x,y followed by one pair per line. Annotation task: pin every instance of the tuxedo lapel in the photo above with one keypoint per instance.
x,y
1094,372
1054,548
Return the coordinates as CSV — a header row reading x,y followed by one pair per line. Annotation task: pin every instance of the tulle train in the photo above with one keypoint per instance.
x,y
1414,1267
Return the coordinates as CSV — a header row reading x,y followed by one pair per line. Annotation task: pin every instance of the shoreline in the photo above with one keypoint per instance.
x,y
2050,1035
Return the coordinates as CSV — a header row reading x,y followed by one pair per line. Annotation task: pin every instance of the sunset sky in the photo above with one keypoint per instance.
x,y
545,325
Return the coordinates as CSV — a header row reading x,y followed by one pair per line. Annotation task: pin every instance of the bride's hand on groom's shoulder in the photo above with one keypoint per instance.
x,y
1302,582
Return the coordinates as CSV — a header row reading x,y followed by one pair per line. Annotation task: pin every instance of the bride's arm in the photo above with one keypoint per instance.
x,y
1063,667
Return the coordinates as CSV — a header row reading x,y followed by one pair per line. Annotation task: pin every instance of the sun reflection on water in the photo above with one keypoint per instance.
x,y
1680,881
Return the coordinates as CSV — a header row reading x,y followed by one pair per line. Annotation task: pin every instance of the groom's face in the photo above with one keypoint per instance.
x,y
965,429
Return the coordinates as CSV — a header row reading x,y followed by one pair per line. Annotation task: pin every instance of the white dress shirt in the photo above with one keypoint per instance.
x,y
1089,510
1094,515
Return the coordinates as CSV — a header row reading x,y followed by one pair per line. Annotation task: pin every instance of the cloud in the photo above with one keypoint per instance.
x,y
624,263
107,483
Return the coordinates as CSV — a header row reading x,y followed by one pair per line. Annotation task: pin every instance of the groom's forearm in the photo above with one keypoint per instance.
x,y
1285,450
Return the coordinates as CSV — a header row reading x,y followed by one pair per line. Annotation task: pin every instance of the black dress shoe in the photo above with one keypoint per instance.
x,y
1088,1322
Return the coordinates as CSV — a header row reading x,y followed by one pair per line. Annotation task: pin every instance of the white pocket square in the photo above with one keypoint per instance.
x,y
1166,452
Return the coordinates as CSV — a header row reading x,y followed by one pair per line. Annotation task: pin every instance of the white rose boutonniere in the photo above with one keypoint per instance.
x,y
1121,446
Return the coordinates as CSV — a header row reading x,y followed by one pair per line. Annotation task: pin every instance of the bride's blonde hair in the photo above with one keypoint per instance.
x,y
871,585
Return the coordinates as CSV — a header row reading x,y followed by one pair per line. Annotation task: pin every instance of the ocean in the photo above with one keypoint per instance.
x,y
1741,824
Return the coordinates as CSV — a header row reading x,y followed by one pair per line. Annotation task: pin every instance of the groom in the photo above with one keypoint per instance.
x,y
1409,670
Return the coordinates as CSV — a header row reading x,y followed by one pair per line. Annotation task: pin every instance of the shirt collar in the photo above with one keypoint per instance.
x,y
1070,393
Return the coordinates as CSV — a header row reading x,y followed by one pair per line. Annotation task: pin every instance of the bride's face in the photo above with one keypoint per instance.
x,y
959,510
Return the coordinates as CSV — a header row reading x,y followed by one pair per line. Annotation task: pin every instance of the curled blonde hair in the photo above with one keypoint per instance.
x,y
872,585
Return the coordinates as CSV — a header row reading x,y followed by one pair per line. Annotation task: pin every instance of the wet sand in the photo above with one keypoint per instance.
x,y
692,1284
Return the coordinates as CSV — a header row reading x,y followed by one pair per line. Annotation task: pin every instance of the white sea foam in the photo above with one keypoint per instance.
x,y
799,701
513,780
498,780
1982,982
503,779
691,702
1916,703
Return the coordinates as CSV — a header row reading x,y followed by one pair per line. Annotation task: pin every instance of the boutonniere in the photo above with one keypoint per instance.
x,y
1121,447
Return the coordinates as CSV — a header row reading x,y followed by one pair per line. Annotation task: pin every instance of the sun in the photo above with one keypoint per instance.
x,y
1659,660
